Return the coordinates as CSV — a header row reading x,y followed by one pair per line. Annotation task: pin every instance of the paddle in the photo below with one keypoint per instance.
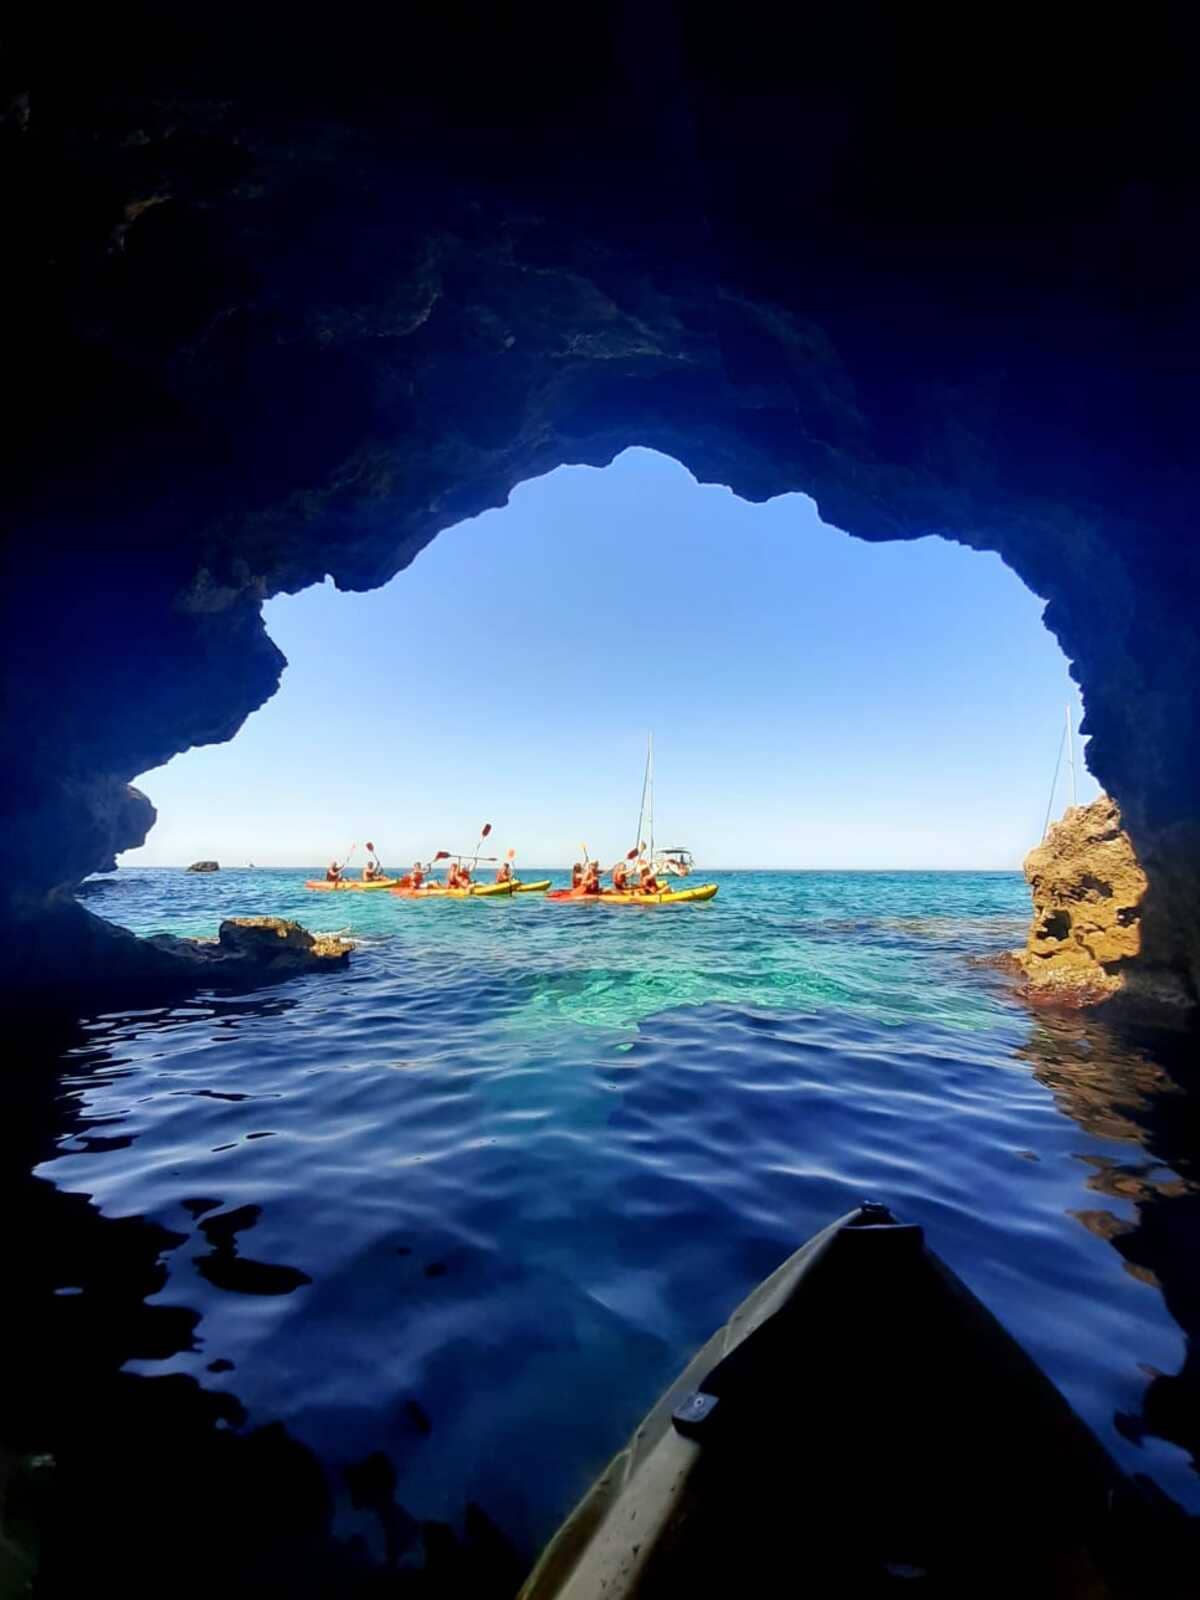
x,y
487,828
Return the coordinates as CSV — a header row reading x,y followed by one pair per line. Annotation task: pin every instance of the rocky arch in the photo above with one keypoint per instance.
x,y
289,299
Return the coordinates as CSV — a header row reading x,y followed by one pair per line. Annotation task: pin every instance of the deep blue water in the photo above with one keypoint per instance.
x,y
512,1166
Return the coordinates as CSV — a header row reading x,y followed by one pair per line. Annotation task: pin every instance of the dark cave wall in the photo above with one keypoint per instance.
x,y
287,302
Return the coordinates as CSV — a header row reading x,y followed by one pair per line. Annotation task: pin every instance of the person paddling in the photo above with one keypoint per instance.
x,y
372,871
333,873
577,875
504,872
620,877
647,882
591,878
416,877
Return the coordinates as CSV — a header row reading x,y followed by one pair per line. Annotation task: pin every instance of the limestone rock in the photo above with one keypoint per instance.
x,y
205,866
1087,931
73,953
256,948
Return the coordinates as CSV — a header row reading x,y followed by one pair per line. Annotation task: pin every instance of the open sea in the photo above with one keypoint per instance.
x,y
412,1247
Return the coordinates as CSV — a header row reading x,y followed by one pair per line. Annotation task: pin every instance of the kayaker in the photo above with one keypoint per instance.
x,y
333,873
577,876
620,877
416,877
591,878
647,882
504,872
372,870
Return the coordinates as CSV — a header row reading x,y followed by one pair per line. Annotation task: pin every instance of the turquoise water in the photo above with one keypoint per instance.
x,y
470,1204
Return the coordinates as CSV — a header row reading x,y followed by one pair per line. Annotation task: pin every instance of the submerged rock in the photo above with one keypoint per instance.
x,y
1087,930
204,866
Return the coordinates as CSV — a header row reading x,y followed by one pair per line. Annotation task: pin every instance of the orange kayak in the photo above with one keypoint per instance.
x,y
438,891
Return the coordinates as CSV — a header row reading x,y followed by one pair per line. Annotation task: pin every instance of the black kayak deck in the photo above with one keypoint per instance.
x,y
862,1426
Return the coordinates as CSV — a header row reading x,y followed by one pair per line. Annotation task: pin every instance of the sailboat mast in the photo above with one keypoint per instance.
x,y
642,808
650,772
1071,754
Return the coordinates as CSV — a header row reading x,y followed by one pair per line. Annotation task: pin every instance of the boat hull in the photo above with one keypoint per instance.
x,y
350,883
477,891
861,1423
665,897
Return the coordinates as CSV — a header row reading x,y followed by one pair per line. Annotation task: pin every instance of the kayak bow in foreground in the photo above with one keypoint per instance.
x,y
863,1425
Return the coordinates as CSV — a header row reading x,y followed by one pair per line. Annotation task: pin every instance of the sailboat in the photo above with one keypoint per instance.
x,y
676,860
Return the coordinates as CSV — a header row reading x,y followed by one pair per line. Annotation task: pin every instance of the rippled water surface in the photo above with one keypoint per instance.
x,y
459,1212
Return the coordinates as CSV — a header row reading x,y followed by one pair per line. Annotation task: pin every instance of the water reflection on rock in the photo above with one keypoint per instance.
x,y
1139,1087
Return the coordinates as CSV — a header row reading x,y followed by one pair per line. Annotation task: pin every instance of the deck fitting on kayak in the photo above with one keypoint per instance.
x,y
692,1414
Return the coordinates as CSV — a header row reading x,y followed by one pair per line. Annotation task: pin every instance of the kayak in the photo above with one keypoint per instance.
x,y
863,1424
351,883
665,897
477,890
515,887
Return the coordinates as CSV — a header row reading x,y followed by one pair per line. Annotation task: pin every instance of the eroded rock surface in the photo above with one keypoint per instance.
x,y
77,953
204,866
255,949
288,301
1087,934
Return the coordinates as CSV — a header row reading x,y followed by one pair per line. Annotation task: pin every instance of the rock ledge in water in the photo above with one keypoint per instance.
x,y
256,947
204,866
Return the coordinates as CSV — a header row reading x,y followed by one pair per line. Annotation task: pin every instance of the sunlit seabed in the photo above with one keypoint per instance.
x,y
530,1154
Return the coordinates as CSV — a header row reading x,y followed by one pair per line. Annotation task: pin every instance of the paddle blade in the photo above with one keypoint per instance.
x,y
370,847
487,828
629,854
510,855
442,855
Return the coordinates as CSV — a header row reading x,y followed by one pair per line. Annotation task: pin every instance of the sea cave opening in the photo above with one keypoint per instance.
x,y
818,701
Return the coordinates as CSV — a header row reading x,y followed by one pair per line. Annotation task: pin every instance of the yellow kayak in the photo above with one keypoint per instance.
x,y
351,883
515,887
665,897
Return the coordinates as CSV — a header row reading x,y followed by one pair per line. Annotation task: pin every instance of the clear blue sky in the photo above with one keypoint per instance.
x,y
816,701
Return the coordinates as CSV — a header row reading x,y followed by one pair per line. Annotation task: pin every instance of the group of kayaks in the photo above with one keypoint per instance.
x,y
480,891
647,866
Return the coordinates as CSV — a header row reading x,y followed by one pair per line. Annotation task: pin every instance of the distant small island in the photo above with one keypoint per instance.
x,y
204,866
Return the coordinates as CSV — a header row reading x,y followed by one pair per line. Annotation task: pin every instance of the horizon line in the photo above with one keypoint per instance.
x,y
303,866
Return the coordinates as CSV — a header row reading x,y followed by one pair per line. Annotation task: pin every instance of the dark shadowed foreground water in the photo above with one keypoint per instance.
x,y
377,1269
